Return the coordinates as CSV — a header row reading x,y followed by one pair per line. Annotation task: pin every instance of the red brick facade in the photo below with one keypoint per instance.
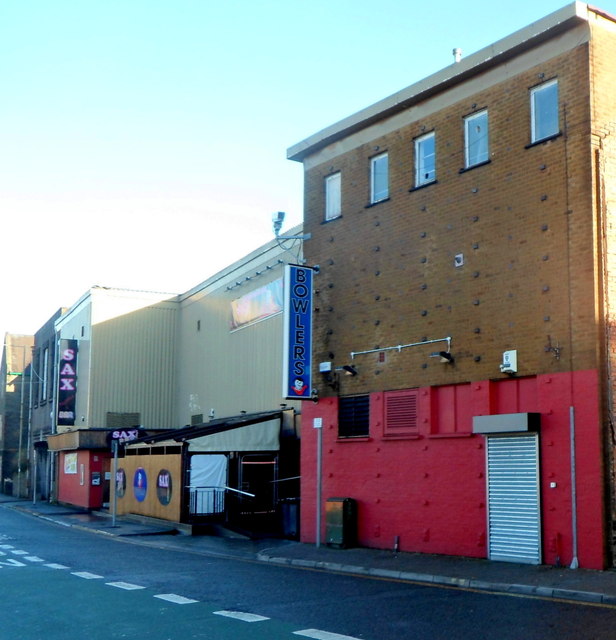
x,y
513,254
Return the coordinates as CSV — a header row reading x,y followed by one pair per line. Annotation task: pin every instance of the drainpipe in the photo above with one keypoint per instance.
x,y
574,562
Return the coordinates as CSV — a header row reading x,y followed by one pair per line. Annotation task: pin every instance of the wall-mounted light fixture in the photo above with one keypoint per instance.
x,y
348,370
445,357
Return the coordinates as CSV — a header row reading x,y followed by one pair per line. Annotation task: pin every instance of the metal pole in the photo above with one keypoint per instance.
x,y
34,474
318,425
574,562
114,481
21,431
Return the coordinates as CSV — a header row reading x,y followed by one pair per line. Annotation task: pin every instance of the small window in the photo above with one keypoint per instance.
x,y
379,178
425,159
476,144
333,200
544,111
354,416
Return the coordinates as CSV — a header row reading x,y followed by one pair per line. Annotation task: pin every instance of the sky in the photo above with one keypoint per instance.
x,y
143,142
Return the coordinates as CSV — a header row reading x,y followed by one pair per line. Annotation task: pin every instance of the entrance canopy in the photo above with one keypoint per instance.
x,y
246,432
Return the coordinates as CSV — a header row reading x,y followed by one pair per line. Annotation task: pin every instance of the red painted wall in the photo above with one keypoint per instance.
x,y
429,490
77,488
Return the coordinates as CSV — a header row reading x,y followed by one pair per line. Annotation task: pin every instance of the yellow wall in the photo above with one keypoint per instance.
x,y
151,506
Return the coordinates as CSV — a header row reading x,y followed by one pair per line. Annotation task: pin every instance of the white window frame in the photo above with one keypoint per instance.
x,y
476,139
544,115
333,196
425,159
379,178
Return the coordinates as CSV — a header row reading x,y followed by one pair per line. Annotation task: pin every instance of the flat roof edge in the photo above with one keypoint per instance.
x,y
510,45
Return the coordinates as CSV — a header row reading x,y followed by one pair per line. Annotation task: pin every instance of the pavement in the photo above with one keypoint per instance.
x,y
581,585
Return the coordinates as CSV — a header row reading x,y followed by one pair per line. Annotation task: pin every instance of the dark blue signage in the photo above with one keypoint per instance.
x,y
297,365
67,382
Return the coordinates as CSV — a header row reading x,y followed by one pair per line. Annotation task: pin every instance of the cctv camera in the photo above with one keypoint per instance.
x,y
278,217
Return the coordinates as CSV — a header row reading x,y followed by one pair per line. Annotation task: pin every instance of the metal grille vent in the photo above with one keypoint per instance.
x,y
401,413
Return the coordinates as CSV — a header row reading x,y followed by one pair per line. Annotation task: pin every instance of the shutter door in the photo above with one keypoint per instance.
x,y
514,524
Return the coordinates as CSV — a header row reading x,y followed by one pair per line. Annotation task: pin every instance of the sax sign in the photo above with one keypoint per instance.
x,y
297,353
67,382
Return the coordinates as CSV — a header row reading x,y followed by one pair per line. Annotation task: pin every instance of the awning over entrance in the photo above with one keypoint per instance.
x,y
246,432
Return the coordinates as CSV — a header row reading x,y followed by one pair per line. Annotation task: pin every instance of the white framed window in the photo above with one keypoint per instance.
x,y
333,199
379,178
476,141
544,111
425,159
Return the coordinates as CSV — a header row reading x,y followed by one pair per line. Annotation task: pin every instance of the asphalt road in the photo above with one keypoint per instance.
x,y
59,582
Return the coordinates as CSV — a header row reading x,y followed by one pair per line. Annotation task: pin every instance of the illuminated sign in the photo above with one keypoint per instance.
x,y
297,354
67,382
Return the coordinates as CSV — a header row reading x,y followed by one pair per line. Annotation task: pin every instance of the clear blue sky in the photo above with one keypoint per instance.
x,y
143,142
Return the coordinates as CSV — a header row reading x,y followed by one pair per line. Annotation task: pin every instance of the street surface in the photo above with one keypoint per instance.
x,y
58,582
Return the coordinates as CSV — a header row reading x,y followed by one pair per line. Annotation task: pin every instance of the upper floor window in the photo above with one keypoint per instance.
x,y
333,201
425,159
379,178
476,143
44,372
544,111
354,416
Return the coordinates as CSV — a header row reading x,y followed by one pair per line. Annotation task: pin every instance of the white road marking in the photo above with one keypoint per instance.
x,y
53,565
19,552
322,635
6,546
125,585
240,615
86,575
172,597
11,562
33,559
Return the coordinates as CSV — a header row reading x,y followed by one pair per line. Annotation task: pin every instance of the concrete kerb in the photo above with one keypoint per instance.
x,y
462,583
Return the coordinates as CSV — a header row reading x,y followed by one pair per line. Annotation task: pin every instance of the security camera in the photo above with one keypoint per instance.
x,y
278,219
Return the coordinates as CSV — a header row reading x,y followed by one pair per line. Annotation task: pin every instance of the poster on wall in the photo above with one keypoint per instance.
x,y
297,348
70,463
67,382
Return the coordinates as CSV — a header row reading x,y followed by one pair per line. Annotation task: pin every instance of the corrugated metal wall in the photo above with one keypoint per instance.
x,y
224,370
133,366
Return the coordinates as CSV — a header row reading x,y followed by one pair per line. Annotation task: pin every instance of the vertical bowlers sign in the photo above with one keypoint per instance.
x,y
297,353
67,382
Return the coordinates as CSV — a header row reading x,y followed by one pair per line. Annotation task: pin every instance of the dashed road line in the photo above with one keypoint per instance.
x,y
11,562
240,615
173,597
316,634
125,585
87,575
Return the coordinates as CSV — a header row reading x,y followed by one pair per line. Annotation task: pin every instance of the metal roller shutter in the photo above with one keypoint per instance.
x,y
514,522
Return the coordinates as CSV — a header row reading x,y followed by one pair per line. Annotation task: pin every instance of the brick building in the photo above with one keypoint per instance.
x,y
463,233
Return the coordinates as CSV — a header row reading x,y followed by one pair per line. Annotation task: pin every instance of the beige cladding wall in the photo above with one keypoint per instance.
x,y
134,366
231,371
126,357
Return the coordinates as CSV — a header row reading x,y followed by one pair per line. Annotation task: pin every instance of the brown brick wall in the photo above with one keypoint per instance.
x,y
523,222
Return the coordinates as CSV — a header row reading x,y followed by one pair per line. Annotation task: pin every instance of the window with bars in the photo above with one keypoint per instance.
x,y
354,416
